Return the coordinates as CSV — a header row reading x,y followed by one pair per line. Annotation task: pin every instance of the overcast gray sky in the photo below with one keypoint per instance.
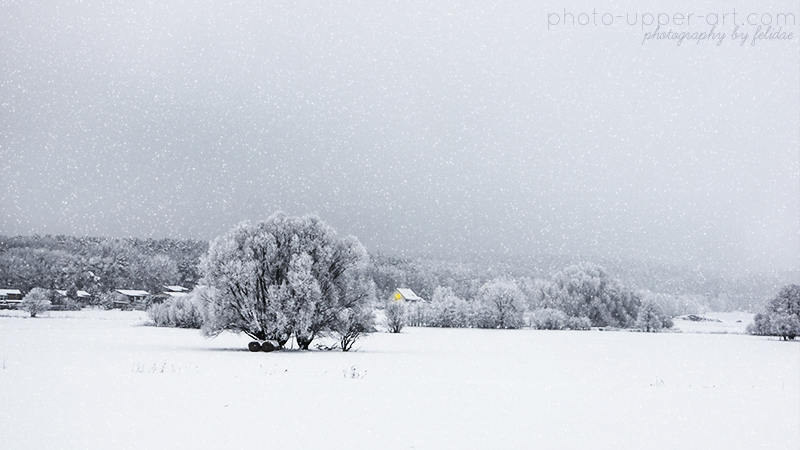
x,y
417,126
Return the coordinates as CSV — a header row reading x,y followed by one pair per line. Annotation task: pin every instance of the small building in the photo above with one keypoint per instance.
x,y
176,290
10,298
171,292
83,296
130,298
406,295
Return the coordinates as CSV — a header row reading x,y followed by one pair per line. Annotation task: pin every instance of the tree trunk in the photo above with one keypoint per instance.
x,y
303,342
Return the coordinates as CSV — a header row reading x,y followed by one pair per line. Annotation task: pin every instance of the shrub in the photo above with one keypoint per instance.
x,y
760,325
579,323
448,310
548,319
351,325
502,305
184,312
159,315
651,318
70,305
177,312
554,319
395,318
36,301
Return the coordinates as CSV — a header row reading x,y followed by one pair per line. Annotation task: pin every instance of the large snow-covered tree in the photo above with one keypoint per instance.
x,y
587,290
781,316
502,304
36,301
447,310
283,277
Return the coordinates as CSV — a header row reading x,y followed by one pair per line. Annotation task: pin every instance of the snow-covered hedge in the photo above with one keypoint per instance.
x,y
553,319
177,312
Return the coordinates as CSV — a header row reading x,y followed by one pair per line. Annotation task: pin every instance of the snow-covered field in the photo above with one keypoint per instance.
x,y
97,380
715,322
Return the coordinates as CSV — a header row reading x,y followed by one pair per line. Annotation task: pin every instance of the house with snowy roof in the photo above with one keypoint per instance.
x,y
175,291
80,295
170,292
130,298
405,295
10,298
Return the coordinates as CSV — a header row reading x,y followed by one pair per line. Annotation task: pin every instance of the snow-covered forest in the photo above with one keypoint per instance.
x,y
98,265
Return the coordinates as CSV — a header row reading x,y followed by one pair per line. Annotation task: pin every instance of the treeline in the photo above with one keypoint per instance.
x,y
679,291
98,265
579,296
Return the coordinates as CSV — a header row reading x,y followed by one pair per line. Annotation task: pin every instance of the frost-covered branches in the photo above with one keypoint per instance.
x,y
351,324
586,290
395,316
781,316
179,312
502,305
499,304
36,301
283,277
577,297
447,310
554,319
651,317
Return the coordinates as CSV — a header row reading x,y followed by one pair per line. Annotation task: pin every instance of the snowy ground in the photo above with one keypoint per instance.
x,y
96,380
716,322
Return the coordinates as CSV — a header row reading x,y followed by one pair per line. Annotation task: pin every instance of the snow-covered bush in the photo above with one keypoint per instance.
x,y
579,323
781,316
159,315
501,305
651,317
395,316
587,290
184,312
548,319
177,312
351,325
553,319
283,277
36,301
447,310
760,325
69,304
417,314
541,294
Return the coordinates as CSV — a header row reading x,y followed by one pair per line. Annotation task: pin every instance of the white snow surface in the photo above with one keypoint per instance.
x,y
98,379
716,322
